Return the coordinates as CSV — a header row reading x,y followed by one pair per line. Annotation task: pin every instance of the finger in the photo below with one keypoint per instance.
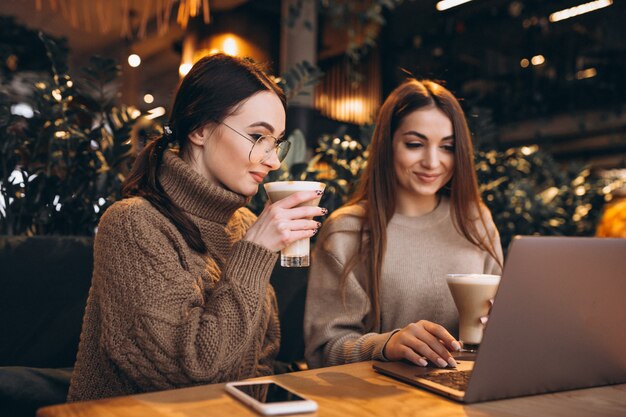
x,y
440,354
304,225
442,334
410,355
306,212
424,349
298,198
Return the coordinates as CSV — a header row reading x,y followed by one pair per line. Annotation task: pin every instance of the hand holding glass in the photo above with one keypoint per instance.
x,y
296,254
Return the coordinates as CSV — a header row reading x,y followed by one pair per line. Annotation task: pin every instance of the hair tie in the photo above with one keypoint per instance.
x,y
167,132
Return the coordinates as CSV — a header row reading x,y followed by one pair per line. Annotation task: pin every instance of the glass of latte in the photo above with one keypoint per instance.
x,y
296,254
472,294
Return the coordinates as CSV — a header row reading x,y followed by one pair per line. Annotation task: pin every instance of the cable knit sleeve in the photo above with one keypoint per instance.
x,y
334,324
158,326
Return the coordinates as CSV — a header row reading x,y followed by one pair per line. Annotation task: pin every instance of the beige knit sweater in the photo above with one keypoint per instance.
x,y
160,315
420,252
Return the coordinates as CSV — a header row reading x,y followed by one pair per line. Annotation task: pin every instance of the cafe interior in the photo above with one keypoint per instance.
x,y
86,84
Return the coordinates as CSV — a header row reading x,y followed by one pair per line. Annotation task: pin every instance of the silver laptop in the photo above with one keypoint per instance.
x,y
558,323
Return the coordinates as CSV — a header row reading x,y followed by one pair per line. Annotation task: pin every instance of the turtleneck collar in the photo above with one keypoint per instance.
x,y
436,216
194,194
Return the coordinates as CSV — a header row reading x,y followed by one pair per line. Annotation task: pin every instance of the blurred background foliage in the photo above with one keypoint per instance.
x,y
62,167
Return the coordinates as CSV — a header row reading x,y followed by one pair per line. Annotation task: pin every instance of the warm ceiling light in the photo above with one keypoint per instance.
x,y
155,112
448,4
586,73
184,69
148,98
524,63
580,9
134,60
230,46
538,60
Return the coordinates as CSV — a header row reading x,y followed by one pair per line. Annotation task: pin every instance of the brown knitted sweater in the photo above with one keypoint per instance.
x,y
161,316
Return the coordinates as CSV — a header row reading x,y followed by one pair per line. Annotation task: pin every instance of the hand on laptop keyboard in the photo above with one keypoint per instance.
x,y
422,341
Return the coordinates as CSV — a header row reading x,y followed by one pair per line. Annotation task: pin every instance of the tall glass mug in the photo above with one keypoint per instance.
x,y
471,294
296,254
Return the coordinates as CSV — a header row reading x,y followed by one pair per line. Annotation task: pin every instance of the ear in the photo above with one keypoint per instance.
x,y
199,136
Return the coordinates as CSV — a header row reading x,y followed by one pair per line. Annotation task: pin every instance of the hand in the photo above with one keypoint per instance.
x,y
485,319
422,339
283,222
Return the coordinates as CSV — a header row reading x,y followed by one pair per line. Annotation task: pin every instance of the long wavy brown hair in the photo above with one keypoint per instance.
x,y
377,189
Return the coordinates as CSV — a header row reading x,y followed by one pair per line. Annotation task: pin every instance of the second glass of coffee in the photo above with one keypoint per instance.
x,y
296,254
471,294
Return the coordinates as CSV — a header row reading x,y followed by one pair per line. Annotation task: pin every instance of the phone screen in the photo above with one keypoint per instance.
x,y
269,393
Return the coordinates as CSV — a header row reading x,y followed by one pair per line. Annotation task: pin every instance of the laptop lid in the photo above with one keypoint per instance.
x,y
557,322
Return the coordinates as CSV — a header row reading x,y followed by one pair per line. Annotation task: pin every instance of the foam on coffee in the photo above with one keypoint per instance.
x,y
479,279
283,186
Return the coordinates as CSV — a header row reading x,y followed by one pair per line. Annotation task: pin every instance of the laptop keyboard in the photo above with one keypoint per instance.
x,y
454,379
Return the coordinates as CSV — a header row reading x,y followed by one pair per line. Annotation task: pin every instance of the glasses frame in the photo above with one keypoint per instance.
x,y
277,144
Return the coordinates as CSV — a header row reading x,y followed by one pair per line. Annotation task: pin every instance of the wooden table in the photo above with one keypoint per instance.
x,y
349,390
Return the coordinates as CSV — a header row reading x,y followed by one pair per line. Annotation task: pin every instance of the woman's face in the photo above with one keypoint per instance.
x,y
223,158
423,155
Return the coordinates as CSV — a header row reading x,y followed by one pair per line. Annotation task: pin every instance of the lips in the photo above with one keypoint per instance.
x,y
258,176
428,178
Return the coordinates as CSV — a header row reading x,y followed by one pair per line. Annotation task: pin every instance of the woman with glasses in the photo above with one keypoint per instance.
x,y
377,284
180,292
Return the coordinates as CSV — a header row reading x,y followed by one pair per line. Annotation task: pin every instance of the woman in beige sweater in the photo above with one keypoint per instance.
x,y
180,292
377,287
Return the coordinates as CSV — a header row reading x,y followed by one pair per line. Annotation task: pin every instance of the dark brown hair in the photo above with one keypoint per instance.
x,y
209,93
377,188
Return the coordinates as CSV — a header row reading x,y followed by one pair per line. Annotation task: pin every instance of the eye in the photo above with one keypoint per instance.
x,y
414,145
448,147
256,136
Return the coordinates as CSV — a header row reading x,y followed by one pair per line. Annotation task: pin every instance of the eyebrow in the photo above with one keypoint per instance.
x,y
423,136
267,126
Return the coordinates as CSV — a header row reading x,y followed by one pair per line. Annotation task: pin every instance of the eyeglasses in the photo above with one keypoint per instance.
x,y
263,146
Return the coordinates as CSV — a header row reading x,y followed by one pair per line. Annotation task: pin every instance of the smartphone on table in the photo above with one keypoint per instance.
x,y
269,398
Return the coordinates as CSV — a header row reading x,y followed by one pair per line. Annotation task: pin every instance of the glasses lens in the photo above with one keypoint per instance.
x,y
265,145
282,149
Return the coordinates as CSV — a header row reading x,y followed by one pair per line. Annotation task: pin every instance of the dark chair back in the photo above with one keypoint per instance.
x,y
44,282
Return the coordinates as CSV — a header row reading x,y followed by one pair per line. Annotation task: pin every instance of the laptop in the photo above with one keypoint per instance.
x,y
557,324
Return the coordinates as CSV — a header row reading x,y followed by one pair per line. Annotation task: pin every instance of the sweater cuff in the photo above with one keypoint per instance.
x,y
250,264
378,341
382,351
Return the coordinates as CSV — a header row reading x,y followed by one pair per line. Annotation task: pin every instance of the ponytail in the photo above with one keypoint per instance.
x,y
143,181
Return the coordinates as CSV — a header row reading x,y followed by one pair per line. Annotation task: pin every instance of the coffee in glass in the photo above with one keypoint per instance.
x,y
472,294
296,254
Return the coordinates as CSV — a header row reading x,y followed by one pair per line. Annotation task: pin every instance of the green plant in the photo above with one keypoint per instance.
x,y
529,194
62,167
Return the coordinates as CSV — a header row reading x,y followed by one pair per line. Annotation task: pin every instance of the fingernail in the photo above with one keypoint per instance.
x,y
319,225
441,363
324,211
452,362
319,192
315,232
456,346
422,362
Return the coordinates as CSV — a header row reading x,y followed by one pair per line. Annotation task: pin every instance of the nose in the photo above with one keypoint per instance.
x,y
431,158
272,161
